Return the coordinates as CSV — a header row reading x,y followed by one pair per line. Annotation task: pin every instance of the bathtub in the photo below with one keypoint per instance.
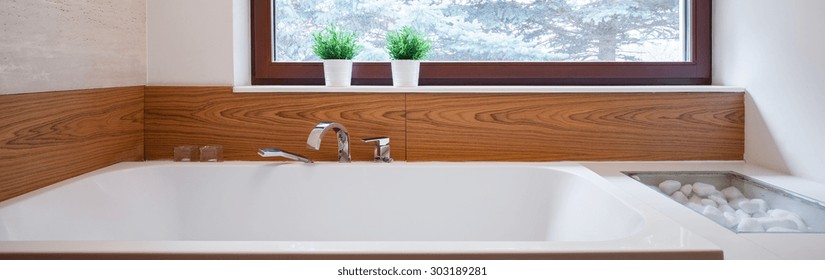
x,y
264,210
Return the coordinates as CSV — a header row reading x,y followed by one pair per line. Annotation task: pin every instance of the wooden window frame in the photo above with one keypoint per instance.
x,y
694,72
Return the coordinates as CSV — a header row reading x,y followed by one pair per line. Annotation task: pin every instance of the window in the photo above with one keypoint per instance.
x,y
489,42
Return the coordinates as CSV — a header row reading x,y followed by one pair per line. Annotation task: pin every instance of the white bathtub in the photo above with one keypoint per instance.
x,y
292,210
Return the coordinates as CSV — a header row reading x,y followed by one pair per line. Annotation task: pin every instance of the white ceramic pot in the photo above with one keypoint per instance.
x,y
405,73
338,72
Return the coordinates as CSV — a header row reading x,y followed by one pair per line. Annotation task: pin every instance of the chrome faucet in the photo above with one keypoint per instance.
x,y
275,152
382,149
314,139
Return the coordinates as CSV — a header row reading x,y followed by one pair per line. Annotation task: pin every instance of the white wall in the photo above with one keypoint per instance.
x,y
242,36
71,44
191,42
776,50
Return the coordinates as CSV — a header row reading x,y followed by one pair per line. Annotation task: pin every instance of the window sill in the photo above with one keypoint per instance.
x,y
486,89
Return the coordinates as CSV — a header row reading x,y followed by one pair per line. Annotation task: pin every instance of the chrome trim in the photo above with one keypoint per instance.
x,y
382,148
317,133
275,152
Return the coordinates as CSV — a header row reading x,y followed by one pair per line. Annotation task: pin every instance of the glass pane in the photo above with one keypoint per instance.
x,y
495,30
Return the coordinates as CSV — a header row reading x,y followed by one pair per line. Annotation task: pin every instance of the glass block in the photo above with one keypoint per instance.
x,y
186,153
212,153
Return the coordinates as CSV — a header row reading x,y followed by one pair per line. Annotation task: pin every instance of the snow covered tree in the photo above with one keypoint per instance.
x,y
488,30
598,29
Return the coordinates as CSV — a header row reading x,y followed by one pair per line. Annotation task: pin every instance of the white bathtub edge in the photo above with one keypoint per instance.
x,y
657,234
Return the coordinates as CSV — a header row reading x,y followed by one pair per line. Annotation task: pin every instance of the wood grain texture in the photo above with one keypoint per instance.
x,y
49,137
245,122
575,126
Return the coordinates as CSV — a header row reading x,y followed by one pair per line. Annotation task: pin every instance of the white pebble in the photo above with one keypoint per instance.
x,y
800,224
670,186
730,219
750,225
714,214
732,193
735,202
695,207
718,199
741,214
704,190
763,205
769,222
680,197
708,202
748,207
781,213
781,230
727,209
759,214
732,209
687,189
753,206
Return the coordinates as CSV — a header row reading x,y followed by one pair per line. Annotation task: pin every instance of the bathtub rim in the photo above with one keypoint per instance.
x,y
657,237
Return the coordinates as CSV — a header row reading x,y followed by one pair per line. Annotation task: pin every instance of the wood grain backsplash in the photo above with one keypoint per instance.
x,y
453,127
243,123
575,126
52,136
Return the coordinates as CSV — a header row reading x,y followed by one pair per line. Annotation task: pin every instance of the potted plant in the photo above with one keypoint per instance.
x,y
336,46
406,48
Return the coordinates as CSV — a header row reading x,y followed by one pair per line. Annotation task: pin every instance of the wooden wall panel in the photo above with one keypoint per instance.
x,y
49,137
575,126
244,122
454,127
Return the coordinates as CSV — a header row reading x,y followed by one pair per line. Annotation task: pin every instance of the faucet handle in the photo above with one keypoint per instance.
x,y
382,148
